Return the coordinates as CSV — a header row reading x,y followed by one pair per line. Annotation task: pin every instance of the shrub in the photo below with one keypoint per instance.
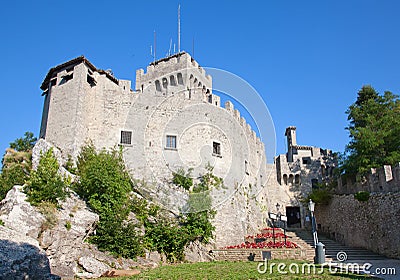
x,y
49,211
15,171
105,185
104,181
182,179
45,183
362,196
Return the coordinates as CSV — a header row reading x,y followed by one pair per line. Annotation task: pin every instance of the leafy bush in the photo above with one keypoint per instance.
x,y
15,171
362,196
45,183
24,144
104,181
322,194
105,185
182,179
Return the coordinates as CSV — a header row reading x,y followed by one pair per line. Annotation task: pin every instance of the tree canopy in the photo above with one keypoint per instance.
x,y
374,127
24,144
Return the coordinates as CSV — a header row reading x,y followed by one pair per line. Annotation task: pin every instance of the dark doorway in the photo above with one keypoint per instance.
x,y
293,217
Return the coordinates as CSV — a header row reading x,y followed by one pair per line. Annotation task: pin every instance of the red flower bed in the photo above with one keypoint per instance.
x,y
266,235
264,244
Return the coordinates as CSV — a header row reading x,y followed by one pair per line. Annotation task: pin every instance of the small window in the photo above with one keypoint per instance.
x,y
66,78
172,80
91,81
126,137
246,167
297,179
216,149
165,82
53,82
158,85
306,160
314,183
171,142
210,98
180,78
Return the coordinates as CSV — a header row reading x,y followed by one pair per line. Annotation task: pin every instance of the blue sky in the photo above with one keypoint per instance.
x,y
307,59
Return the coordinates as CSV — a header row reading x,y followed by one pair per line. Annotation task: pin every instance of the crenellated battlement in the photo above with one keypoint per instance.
x,y
177,72
381,180
250,133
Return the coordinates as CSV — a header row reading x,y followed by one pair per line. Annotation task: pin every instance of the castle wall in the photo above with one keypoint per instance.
x,y
371,224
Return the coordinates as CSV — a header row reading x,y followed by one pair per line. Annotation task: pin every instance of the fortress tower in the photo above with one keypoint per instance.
x,y
172,120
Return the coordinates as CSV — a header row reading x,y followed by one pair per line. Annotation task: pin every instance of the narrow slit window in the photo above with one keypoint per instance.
x,y
216,149
126,137
171,142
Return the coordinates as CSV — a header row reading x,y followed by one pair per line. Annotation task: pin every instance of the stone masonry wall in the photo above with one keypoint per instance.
x,y
373,224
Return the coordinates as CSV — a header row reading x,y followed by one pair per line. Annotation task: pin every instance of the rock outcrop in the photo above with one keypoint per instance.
x,y
21,257
56,240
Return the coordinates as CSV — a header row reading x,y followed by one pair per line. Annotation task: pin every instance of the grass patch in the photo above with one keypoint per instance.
x,y
222,270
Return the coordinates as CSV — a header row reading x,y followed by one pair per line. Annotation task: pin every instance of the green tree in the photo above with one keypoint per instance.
x,y
45,183
374,127
105,184
24,144
15,171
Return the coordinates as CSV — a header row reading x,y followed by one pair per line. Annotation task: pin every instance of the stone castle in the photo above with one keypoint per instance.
x,y
172,120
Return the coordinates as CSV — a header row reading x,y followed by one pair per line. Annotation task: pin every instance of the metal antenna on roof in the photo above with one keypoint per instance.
x,y
179,28
170,47
155,46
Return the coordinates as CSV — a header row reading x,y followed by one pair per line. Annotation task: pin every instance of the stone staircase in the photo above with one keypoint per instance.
x,y
304,238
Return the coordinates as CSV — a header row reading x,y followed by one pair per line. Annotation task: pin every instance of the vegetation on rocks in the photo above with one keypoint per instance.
x,y
45,183
106,186
17,163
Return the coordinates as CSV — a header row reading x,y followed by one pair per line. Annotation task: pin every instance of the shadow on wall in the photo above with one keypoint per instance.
x,y
23,261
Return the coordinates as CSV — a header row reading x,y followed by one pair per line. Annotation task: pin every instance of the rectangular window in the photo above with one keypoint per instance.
x,y
306,160
216,149
126,137
171,142
314,183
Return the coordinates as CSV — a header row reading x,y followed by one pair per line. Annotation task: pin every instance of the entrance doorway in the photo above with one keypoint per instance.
x,y
293,217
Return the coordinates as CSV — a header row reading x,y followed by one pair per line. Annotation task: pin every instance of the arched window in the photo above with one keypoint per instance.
x,y
291,179
285,179
164,82
297,179
180,79
172,80
158,85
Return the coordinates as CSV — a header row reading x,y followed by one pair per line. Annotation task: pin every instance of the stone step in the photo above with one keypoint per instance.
x,y
332,247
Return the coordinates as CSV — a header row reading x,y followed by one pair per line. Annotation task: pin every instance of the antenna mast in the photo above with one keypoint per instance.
x,y
179,28
155,46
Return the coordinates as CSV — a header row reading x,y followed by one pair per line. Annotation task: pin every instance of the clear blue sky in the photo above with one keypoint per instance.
x,y
308,59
